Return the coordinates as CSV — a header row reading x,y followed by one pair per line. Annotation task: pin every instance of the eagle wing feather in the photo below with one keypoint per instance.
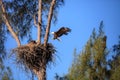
x,y
63,31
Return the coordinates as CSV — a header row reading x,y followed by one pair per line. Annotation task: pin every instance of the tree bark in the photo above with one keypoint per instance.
x,y
41,74
9,27
39,22
49,22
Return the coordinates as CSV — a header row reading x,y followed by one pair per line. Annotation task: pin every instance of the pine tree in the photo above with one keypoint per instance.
x,y
91,63
19,17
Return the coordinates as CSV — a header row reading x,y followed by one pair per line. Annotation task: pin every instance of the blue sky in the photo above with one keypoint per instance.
x,y
81,16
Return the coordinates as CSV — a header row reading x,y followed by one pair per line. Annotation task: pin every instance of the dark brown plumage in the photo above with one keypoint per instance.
x,y
60,32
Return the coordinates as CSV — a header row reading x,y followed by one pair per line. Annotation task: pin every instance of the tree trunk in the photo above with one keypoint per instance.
x,y
9,27
49,22
41,73
39,21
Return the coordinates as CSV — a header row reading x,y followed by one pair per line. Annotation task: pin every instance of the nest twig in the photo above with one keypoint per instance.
x,y
33,56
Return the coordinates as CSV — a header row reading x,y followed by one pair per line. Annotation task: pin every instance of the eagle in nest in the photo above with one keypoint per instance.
x,y
60,32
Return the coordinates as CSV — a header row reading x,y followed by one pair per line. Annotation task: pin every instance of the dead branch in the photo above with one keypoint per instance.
x,y
46,37
9,25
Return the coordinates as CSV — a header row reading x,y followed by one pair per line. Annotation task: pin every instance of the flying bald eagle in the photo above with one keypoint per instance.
x,y
60,32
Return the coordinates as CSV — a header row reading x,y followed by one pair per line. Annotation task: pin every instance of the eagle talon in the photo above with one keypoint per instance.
x,y
58,39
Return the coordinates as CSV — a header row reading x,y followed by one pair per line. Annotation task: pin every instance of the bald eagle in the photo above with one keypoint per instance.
x,y
60,32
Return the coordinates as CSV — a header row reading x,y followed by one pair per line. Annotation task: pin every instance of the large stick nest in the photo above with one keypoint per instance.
x,y
34,57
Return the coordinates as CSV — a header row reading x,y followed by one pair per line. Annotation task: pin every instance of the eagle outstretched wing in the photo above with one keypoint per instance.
x,y
63,31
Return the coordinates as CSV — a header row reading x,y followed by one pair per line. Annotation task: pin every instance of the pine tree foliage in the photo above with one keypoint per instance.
x,y
91,63
2,41
57,77
5,73
114,63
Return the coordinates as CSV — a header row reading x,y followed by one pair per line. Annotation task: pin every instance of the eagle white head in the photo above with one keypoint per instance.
x,y
52,32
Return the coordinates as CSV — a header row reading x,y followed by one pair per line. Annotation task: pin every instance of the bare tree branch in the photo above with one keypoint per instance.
x,y
39,22
8,24
49,22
